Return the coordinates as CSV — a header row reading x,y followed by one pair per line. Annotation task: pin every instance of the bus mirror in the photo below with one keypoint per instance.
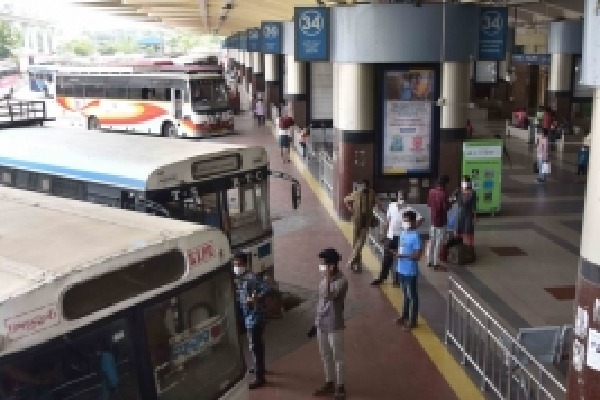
x,y
295,195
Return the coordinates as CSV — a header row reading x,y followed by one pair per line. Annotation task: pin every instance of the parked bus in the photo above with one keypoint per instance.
x,y
221,185
147,100
101,303
9,79
42,78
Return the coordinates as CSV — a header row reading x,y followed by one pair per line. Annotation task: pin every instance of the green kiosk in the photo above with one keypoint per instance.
x,y
482,161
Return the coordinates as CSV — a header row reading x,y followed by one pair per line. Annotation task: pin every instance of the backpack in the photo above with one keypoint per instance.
x,y
461,254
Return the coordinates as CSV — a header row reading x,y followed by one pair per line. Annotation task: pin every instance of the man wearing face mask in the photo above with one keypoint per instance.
x,y
250,295
438,204
393,227
329,324
408,254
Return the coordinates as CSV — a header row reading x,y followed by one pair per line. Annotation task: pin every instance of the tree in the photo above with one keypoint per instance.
x,y
80,47
107,49
9,39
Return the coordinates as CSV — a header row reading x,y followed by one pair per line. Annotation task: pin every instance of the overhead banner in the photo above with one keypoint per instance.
x,y
254,44
311,33
590,73
408,121
493,28
531,59
272,37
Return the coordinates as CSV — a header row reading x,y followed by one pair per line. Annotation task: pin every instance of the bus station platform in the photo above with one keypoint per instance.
x,y
524,277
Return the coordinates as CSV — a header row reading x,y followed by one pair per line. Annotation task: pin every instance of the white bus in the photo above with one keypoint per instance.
x,y
155,100
221,185
101,303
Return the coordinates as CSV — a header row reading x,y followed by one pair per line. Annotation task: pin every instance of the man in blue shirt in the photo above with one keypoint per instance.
x,y
251,291
408,254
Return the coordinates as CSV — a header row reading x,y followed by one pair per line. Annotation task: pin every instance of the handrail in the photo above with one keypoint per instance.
x,y
491,331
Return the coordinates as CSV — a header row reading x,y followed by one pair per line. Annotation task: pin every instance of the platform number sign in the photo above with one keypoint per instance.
x,y
493,28
254,42
272,34
311,28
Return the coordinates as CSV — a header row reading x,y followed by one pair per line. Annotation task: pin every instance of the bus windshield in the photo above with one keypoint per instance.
x,y
208,91
189,340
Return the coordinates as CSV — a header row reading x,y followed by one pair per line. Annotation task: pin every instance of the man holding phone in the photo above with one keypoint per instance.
x,y
329,324
408,255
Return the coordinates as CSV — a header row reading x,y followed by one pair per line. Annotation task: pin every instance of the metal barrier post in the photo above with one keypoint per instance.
x,y
486,350
448,311
464,332
509,374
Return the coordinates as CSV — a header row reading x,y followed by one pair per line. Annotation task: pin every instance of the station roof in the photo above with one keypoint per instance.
x,y
224,17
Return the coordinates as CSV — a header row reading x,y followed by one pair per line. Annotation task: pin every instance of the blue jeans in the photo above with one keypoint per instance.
x,y
410,310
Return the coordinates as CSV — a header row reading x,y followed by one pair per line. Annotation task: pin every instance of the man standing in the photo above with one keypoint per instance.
x,y
251,292
393,228
285,137
329,323
409,253
437,201
259,110
360,203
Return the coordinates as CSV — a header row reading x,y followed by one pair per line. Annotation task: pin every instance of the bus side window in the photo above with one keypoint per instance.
x,y
167,94
148,93
135,93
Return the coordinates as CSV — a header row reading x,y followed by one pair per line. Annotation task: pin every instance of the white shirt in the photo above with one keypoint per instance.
x,y
394,215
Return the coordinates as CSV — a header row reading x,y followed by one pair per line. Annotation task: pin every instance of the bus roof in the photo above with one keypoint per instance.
x,y
122,160
44,238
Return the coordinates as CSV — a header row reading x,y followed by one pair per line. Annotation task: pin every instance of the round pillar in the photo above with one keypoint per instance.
x,y
559,84
583,380
295,90
453,118
353,125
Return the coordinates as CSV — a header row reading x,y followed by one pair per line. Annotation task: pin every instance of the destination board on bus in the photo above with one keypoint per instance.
x,y
214,166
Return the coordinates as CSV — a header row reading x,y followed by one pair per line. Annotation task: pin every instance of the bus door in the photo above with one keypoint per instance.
x,y
177,102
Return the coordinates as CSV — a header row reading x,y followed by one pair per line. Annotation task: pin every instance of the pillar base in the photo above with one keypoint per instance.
x,y
297,106
560,102
271,97
258,82
450,159
353,161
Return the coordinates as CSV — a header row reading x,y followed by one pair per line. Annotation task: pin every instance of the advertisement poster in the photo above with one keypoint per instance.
x,y
482,161
271,37
407,122
493,27
593,355
311,39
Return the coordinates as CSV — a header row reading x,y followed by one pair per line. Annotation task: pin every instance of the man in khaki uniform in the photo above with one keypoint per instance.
x,y
360,203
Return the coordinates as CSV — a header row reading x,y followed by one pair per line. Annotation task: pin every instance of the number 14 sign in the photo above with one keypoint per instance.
x,y
311,33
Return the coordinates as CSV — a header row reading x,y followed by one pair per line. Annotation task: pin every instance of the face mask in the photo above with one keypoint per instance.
x,y
406,225
239,270
322,267
464,185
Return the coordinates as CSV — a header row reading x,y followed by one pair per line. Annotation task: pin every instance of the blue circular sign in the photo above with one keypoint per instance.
x,y
492,23
311,22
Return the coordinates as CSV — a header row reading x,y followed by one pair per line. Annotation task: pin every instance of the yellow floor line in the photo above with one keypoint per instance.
x,y
452,371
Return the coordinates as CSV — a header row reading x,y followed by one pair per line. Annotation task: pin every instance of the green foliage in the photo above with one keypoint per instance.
x,y
9,39
82,47
107,49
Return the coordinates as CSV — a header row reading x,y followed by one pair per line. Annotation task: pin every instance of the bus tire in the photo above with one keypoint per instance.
x,y
93,123
168,129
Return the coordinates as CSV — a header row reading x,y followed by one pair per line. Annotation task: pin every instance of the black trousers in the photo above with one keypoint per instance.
x,y
388,259
257,348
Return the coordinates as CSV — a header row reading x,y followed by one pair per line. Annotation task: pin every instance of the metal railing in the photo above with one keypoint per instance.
x,y
326,171
17,110
502,364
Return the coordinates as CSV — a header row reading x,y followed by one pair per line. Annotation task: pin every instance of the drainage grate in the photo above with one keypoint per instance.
x,y
508,251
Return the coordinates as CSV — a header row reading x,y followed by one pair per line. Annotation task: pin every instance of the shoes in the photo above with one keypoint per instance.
x,y
376,282
325,390
257,383
340,393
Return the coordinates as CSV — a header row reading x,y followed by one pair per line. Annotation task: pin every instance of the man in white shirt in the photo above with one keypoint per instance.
x,y
392,228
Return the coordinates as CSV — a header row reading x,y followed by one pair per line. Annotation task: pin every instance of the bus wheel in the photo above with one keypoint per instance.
x,y
168,130
93,123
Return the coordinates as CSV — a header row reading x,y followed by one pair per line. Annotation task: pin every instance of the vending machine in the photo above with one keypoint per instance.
x,y
482,162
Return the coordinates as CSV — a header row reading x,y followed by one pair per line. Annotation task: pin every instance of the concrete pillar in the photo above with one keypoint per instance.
x,y
584,381
559,84
241,62
27,37
272,82
353,125
258,78
295,90
33,40
45,41
453,118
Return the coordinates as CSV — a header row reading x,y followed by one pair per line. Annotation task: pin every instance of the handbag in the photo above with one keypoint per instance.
x,y
546,167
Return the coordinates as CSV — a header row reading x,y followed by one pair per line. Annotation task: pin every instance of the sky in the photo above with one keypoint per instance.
x,y
73,19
